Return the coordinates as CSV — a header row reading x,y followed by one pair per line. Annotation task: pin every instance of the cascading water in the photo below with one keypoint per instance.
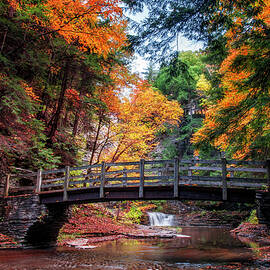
x,y
160,219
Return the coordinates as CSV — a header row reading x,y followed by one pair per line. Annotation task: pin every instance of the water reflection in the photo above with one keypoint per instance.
x,y
205,247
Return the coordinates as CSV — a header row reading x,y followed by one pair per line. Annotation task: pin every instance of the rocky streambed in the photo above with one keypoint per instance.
x,y
138,232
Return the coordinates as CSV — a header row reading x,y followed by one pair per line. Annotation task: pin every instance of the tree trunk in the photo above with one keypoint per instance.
x,y
4,40
104,144
83,83
56,118
77,116
96,139
76,123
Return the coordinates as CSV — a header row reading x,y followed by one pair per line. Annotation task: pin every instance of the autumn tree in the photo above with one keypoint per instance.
x,y
52,63
133,133
99,140
238,123
228,28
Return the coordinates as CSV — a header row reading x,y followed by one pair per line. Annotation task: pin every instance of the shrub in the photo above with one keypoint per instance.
x,y
253,217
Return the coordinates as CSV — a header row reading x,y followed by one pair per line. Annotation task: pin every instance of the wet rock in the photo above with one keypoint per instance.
x,y
255,232
153,232
80,243
30,223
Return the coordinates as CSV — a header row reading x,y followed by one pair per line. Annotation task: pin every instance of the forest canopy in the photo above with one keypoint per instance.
x,y
236,38
68,96
64,77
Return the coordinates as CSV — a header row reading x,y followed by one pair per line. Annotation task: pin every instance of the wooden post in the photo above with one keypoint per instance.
x,y
66,182
6,188
268,174
176,177
224,179
102,180
190,175
125,177
39,181
141,178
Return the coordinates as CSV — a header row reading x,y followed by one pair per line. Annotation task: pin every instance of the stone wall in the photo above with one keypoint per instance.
x,y
263,207
30,223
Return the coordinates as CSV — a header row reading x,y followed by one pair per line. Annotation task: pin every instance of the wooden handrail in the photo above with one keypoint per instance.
x,y
147,173
176,178
102,180
39,181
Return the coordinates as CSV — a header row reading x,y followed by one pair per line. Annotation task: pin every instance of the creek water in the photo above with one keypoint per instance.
x,y
206,248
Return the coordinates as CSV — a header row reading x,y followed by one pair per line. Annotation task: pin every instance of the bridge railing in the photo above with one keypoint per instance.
x,y
210,173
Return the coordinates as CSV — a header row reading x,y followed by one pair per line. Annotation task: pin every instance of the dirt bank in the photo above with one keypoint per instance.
x,y
257,236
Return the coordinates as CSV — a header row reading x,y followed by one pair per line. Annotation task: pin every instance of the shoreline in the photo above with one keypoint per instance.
x,y
255,236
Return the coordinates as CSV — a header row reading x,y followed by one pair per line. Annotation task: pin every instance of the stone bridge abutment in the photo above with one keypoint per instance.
x,y
31,224
263,207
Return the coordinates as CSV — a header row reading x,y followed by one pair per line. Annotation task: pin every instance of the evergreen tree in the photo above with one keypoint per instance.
x,y
178,81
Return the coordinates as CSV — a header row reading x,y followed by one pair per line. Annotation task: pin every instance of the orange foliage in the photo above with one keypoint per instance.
x,y
95,25
73,97
29,91
122,80
233,95
139,120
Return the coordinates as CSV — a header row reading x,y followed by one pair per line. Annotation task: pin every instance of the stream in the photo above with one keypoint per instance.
x,y
206,248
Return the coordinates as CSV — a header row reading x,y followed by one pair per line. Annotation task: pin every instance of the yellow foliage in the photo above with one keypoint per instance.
x,y
203,85
139,119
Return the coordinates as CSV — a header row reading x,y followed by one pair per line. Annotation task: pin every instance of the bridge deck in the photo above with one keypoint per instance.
x,y
150,193
215,180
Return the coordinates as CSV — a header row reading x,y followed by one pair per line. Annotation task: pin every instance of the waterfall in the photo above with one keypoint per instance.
x,y
160,219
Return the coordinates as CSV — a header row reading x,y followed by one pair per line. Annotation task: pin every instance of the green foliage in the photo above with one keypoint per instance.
x,y
166,19
133,215
45,157
170,150
253,217
159,205
150,74
179,81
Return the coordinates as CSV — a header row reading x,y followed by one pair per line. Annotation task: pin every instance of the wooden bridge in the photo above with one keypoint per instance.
x,y
227,180
35,206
